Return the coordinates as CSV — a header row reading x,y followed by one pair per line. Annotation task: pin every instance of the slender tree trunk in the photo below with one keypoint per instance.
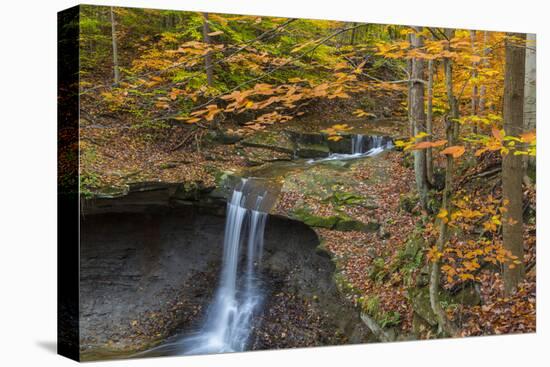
x,y
451,132
442,320
484,62
208,57
453,103
429,122
409,102
474,99
419,118
512,224
115,47
530,106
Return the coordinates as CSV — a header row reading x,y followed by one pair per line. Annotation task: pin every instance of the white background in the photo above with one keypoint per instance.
x,y
28,182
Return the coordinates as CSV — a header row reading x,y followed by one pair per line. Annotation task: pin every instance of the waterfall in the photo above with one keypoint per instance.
x,y
228,322
361,146
357,144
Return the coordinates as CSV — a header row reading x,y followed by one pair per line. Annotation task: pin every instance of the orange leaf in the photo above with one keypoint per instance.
x,y
498,134
528,137
456,151
428,144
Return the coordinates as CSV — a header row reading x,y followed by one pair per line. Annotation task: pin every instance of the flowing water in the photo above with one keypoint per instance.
x,y
361,146
239,295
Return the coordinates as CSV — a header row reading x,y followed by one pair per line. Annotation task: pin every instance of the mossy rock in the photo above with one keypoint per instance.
x,y
312,150
225,183
270,140
349,224
111,192
420,300
312,220
336,222
407,202
468,295
226,138
307,138
341,146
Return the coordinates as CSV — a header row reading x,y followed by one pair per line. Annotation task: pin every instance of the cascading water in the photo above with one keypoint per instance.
x,y
357,144
238,297
376,144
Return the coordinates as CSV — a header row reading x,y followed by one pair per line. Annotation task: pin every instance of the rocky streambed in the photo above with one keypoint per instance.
x,y
151,255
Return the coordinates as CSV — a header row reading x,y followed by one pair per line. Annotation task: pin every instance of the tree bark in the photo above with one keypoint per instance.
x,y
474,98
453,103
429,122
484,62
451,132
115,47
512,224
208,57
444,323
530,101
418,117
409,102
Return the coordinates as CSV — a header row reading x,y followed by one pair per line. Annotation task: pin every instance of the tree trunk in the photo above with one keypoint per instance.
x,y
208,57
418,117
529,105
442,320
483,89
115,47
451,132
409,102
474,99
453,103
512,224
429,122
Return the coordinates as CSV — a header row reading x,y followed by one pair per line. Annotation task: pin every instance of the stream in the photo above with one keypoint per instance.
x,y
258,266
239,296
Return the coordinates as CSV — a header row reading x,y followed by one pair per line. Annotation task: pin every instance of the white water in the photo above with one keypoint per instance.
x,y
238,297
357,144
358,149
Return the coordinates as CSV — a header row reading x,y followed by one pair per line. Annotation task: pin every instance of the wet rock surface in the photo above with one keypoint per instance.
x,y
149,275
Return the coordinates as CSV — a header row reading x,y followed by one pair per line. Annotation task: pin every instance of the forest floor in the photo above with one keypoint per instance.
x,y
378,267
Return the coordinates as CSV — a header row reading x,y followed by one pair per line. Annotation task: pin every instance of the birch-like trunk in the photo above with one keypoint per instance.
x,y
208,57
474,99
452,136
115,47
484,63
429,121
418,117
409,102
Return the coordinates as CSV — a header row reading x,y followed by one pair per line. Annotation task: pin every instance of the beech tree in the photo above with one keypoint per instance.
x,y
512,228
530,104
418,116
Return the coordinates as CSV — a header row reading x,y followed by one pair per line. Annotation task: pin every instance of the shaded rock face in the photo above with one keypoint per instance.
x,y
149,275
